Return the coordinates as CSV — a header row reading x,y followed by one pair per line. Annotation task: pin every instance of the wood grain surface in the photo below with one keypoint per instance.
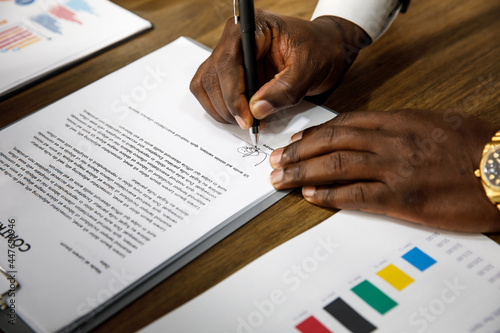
x,y
440,54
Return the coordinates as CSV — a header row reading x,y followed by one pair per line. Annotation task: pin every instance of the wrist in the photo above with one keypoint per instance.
x,y
342,41
489,169
344,34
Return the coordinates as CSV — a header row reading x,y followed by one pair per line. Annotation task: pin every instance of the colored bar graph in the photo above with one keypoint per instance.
x,y
374,297
16,38
64,14
348,317
48,22
24,43
419,259
11,39
79,5
9,32
395,277
312,325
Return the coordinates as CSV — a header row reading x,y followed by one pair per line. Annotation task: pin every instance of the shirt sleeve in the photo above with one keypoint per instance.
x,y
373,16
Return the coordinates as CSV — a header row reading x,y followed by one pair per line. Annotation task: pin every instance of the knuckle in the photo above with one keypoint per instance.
x,y
209,81
342,118
406,139
195,86
337,162
357,193
225,63
327,135
291,153
327,197
294,173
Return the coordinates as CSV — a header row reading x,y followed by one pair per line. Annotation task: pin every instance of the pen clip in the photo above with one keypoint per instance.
x,y
236,12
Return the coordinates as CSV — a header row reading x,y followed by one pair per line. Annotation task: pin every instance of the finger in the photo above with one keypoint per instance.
x,y
326,139
219,82
231,77
372,197
339,166
374,119
197,89
229,68
212,87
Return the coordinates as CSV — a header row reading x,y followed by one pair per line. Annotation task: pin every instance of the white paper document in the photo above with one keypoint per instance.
x,y
355,272
38,37
121,178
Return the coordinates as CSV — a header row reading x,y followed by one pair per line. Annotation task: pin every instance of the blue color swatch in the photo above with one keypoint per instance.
x,y
419,259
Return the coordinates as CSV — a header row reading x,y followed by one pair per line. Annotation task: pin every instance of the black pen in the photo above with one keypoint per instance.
x,y
247,28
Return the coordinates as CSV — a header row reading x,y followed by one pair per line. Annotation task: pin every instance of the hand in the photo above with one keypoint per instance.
x,y
413,165
296,58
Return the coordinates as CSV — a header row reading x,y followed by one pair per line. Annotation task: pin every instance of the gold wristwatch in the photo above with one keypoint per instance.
x,y
489,170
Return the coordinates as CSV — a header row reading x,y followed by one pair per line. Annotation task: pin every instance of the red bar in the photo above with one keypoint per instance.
x,y
64,13
8,30
8,41
312,325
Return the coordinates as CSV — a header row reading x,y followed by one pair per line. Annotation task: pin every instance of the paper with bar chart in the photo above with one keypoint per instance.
x,y
38,37
356,273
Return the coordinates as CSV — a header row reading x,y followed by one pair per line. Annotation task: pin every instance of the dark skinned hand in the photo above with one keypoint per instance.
x,y
296,58
413,165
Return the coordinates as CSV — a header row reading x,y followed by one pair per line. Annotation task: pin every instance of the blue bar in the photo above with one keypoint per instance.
x,y
419,259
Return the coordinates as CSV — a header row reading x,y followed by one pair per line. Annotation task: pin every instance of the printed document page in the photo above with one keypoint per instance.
x,y
356,272
126,174
38,37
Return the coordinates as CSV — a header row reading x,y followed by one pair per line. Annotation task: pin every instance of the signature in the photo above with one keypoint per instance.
x,y
252,151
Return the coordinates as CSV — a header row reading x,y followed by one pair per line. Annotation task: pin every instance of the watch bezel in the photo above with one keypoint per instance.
x,y
493,148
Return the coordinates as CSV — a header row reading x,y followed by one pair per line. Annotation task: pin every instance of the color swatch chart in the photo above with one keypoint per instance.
x,y
423,307
371,295
356,273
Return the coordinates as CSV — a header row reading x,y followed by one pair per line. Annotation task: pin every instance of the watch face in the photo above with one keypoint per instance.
x,y
490,168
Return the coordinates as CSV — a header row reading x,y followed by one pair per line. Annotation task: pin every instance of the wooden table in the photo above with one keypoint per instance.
x,y
441,54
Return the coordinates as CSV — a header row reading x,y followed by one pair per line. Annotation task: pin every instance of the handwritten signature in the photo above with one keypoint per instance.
x,y
252,151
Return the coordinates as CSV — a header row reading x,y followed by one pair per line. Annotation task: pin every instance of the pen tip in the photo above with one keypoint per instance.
x,y
254,136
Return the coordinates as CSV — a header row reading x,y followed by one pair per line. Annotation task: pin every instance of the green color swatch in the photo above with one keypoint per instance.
x,y
374,297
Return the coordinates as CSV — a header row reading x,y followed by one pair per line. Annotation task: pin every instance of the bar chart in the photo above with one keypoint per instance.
x,y
374,297
357,273
42,24
16,38
38,37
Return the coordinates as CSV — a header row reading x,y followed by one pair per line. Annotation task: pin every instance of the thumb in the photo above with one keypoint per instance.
x,y
286,89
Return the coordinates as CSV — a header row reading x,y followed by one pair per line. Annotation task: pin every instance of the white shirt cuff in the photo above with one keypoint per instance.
x,y
373,16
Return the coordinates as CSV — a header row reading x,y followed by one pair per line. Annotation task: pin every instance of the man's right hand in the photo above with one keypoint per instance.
x,y
296,58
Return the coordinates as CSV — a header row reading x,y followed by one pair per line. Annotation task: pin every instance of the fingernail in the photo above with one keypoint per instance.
x,y
241,122
275,157
261,109
276,176
297,136
308,191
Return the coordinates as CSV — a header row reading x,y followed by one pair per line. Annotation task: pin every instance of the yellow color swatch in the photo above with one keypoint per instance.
x,y
395,277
